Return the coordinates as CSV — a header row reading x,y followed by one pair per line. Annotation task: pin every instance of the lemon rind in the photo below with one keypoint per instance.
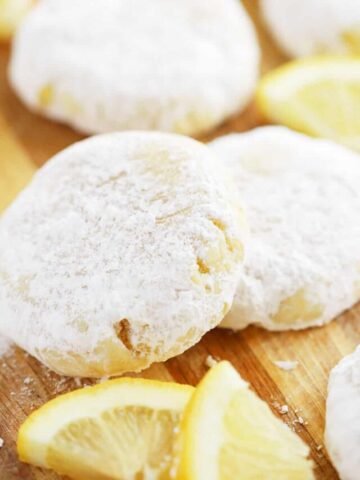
x,y
40,427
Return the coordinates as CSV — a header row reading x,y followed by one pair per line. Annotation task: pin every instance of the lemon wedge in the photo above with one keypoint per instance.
x,y
228,433
319,96
121,429
11,13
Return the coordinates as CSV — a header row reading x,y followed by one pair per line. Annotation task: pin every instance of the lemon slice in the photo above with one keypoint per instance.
x,y
11,13
228,433
319,96
120,429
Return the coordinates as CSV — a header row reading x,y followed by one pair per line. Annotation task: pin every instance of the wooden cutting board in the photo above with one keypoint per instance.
x,y
26,142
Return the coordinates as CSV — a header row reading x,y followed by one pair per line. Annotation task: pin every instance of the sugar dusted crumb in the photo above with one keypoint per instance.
x,y
286,365
78,382
103,379
27,380
300,421
284,409
1,442
210,361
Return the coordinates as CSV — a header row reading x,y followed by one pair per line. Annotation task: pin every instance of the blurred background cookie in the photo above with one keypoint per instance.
x,y
310,27
173,66
124,250
302,196
12,13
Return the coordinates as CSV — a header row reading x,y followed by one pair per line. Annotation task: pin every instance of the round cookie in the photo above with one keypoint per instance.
x,y
179,66
302,266
11,14
311,27
342,432
124,250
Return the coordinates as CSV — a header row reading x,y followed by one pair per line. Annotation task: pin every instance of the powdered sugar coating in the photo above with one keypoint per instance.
x,y
309,27
302,266
342,434
140,64
124,245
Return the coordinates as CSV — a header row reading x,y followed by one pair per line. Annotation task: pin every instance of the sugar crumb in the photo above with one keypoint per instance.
x,y
78,382
1,442
286,365
27,380
300,421
210,361
103,379
284,409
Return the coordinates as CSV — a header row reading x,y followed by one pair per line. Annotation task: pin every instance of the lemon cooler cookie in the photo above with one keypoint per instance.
x,y
179,66
311,27
302,266
11,14
342,433
124,250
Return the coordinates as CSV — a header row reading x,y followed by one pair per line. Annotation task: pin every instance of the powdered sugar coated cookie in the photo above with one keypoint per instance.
x,y
310,27
342,434
303,204
124,250
180,66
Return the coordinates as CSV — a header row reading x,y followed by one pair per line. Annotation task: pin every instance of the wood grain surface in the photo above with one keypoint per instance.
x,y
27,141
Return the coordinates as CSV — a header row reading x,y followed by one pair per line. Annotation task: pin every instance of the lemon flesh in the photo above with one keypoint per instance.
x,y
228,433
319,96
121,429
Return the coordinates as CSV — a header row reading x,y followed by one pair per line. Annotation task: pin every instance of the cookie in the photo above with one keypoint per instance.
x,y
11,14
311,27
342,433
124,250
302,265
178,66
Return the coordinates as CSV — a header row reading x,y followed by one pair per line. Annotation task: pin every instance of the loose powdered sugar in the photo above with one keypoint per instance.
x,y
287,365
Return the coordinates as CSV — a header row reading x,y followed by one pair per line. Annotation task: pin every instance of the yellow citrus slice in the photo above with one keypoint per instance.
x,y
11,13
121,429
228,433
319,96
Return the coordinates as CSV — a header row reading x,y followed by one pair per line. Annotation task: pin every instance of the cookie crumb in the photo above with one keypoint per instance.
x,y
103,379
286,365
210,361
300,421
27,380
1,442
284,409
77,381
